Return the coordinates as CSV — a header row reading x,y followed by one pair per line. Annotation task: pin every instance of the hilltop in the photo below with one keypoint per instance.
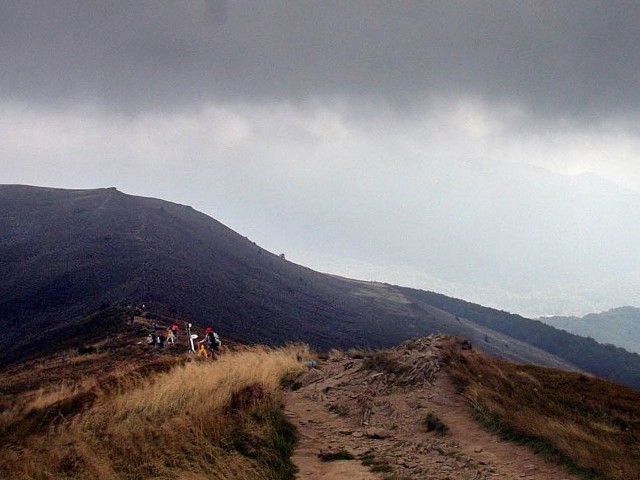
x,y
69,253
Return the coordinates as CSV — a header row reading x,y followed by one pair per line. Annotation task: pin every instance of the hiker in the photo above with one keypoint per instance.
x,y
174,329
171,337
212,341
202,351
160,339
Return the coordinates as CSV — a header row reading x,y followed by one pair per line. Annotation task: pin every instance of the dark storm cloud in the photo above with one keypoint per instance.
x,y
554,57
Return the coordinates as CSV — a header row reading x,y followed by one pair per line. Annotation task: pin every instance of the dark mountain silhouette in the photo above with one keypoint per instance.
x,y
67,253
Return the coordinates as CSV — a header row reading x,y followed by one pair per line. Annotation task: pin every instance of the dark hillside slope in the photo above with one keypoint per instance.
x,y
64,254
67,252
606,361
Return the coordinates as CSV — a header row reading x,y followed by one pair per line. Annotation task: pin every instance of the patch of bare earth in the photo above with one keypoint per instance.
x,y
376,409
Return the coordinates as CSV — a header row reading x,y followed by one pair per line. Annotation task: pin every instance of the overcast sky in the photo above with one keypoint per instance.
x,y
339,132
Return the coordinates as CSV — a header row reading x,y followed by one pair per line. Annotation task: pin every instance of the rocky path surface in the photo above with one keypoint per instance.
x,y
376,411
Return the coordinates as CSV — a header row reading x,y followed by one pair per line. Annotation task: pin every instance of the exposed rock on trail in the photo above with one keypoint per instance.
x,y
376,408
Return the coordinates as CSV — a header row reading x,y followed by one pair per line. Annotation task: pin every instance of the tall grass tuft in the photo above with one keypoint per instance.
x,y
208,419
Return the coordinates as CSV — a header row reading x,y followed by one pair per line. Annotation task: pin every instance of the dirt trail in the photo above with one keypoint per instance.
x,y
379,416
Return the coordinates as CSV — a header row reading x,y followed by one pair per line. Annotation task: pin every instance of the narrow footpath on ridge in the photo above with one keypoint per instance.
x,y
379,418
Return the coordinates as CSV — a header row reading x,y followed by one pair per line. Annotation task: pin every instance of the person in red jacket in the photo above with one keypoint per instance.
x,y
174,329
212,341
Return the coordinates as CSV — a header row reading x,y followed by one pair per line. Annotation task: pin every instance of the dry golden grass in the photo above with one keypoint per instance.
x,y
46,396
203,419
335,355
39,393
590,425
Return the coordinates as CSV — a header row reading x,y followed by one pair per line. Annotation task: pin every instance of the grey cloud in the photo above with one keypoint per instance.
x,y
217,10
574,59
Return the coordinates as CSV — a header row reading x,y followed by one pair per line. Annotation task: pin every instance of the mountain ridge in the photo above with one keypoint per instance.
x,y
69,252
618,326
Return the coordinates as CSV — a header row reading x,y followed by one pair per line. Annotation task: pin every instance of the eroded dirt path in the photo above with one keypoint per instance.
x,y
379,416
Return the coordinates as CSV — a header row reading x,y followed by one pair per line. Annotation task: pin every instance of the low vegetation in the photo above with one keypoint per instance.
x,y
341,409
434,424
42,393
606,361
204,419
374,463
335,456
589,425
385,362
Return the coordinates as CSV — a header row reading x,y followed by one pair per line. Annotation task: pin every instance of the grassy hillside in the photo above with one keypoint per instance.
x,y
590,425
204,419
606,361
133,412
68,253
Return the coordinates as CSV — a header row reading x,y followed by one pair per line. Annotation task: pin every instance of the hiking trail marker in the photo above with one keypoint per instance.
x,y
191,336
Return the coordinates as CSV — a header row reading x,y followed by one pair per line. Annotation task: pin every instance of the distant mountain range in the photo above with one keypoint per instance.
x,y
619,326
67,253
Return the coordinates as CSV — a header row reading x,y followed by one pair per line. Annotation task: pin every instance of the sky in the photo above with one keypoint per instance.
x,y
481,149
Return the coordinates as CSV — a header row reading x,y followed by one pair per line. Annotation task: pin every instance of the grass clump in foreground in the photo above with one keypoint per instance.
x,y
218,420
369,459
434,424
589,425
335,456
385,362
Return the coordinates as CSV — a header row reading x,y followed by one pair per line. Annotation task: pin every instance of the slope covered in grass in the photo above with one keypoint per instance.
x,y
210,419
591,425
605,361
68,253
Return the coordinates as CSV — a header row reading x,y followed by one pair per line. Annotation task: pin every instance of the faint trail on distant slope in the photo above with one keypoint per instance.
x,y
104,203
343,406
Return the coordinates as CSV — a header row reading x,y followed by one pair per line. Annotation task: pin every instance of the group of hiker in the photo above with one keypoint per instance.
x,y
209,346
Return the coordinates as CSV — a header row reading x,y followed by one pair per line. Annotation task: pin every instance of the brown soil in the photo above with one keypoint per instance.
x,y
376,411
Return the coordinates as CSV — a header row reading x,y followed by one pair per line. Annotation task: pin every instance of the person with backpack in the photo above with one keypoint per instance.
x,y
212,341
